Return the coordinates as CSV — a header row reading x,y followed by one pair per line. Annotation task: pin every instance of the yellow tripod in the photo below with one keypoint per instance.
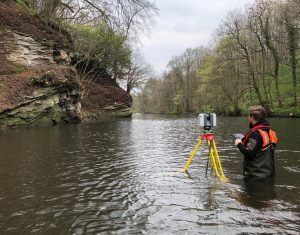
x,y
213,154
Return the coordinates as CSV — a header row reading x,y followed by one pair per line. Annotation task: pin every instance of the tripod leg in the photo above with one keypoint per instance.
x,y
206,169
212,158
219,165
193,154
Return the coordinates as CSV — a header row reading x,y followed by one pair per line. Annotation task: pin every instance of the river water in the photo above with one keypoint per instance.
x,y
121,177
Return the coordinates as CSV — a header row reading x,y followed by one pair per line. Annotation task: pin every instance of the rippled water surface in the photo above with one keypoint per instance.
x,y
121,177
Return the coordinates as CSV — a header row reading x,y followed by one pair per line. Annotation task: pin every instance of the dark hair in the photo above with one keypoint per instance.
x,y
257,112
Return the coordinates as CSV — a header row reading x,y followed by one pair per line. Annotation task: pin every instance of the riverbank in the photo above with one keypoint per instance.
x,y
39,81
290,112
287,112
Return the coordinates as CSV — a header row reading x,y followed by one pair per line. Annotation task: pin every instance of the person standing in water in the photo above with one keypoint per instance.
x,y
258,145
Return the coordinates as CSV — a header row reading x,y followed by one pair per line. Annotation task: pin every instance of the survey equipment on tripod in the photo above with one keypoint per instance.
x,y
207,121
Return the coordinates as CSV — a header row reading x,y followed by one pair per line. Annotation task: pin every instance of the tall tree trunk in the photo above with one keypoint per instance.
x,y
49,8
292,42
270,94
254,81
250,93
252,75
128,88
265,86
188,91
276,77
294,74
271,47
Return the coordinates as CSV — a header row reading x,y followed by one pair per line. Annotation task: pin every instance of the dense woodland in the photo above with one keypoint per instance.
x,y
254,60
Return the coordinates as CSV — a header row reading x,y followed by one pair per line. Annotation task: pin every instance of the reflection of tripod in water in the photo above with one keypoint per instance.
x,y
213,154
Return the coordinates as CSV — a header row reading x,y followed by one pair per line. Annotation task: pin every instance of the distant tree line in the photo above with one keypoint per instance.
x,y
254,60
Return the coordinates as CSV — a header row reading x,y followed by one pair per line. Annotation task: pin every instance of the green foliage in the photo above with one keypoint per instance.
x,y
104,45
21,3
285,76
19,68
253,62
287,111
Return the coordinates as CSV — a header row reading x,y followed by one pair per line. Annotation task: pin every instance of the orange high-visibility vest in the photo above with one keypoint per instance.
x,y
268,137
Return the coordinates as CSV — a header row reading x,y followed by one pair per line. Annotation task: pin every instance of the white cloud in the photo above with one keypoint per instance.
x,y
183,24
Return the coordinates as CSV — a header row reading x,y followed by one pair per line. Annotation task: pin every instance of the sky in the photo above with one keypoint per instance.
x,y
183,24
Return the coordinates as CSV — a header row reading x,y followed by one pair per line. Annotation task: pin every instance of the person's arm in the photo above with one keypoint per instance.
x,y
252,146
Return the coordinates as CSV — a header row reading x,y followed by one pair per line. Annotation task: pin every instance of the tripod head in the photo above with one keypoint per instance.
x,y
207,129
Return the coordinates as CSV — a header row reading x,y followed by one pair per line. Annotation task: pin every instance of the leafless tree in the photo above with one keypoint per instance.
x,y
126,16
137,73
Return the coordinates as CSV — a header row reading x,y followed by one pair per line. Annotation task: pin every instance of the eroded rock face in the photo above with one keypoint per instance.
x,y
24,50
50,105
37,86
119,110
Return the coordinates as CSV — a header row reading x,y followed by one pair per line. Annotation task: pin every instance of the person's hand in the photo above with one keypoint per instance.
x,y
237,141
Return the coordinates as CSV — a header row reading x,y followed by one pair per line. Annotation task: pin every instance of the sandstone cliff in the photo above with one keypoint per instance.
x,y
38,85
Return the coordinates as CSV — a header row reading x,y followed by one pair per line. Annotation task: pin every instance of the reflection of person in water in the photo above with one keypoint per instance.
x,y
258,193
